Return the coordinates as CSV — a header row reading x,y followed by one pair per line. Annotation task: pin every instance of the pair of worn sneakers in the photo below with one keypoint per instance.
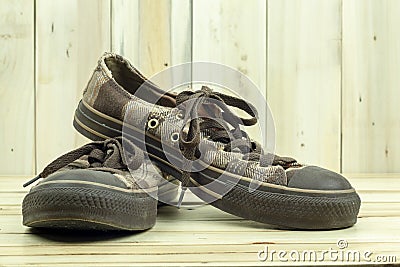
x,y
147,141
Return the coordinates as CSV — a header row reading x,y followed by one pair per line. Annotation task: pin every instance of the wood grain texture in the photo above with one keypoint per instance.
x,y
125,26
141,31
17,92
371,86
204,236
314,74
304,78
181,31
232,33
71,36
153,35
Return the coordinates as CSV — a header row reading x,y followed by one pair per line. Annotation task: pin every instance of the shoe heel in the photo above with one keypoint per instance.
x,y
95,126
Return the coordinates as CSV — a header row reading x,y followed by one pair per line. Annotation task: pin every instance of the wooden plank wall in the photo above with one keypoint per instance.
x,y
328,69
70,36
17,88
371,86
304,80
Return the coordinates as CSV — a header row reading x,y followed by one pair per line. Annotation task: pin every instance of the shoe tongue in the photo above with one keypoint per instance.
x,y
210,110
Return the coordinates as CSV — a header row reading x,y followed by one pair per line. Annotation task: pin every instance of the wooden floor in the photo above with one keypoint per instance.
x,y
205,236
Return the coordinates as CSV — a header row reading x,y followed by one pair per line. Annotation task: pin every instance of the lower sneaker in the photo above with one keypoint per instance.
x,y
200,127
90,188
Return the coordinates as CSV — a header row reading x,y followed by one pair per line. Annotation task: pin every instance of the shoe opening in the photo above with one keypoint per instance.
x,y
131,80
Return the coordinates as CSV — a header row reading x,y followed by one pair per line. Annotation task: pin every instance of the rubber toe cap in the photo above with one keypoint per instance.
x,y
86,175
317,178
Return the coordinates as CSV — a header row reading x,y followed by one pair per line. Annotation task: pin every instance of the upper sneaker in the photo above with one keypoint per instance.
x,y
92,188
195,137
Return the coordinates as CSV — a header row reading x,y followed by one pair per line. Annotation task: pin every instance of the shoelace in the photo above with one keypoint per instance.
x,y
101,154
189,143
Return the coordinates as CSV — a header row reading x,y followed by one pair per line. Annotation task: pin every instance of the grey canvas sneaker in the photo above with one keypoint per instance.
x,y
195,137
91,188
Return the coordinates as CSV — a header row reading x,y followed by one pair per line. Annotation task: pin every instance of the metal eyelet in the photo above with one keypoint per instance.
x,y
174,137
152,123
179,115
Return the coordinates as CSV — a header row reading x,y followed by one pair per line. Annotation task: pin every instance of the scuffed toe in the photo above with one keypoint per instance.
x,y
316,178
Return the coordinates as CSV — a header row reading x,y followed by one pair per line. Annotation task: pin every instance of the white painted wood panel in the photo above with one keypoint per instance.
x,y
371,86
303,70
71,36
141,32
181,31
153,35
232,33
304,78
16,87
125,29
